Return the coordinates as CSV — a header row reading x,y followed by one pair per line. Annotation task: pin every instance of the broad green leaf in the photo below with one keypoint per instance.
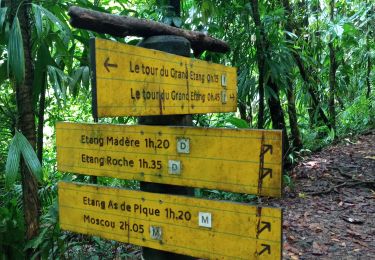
x,y
38,21
37,241
62,26
59,81
74,83
16,60
13,162
54,81
238,122
86,77
43,59
29,156
3,72
3,13
63,80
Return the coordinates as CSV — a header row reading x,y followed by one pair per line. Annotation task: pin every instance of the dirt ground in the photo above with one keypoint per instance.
x,y
330,212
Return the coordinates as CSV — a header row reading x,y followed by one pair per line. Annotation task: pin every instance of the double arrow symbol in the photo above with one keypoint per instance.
x,y
107,65
266,248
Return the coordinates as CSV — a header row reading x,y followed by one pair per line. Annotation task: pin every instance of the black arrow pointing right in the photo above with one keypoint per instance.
x,y
266,148
265,172
265,248
267,225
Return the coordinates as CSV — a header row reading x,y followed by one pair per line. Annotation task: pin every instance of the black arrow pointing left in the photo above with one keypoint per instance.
x,y
107,64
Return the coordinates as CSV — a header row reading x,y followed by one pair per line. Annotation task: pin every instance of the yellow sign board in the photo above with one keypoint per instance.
x,y
197,227
134,81
238,160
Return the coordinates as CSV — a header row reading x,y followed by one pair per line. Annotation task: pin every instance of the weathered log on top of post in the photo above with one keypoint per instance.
x,y
121,26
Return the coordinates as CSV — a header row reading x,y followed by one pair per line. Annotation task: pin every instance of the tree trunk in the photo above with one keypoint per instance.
x,y
26,124
303,72
244,107
332,75
250,113
259,42
42,102
277,114
176,5
292,112
242,110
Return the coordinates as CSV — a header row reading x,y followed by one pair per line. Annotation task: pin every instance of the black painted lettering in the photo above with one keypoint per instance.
x,y
112,205
134,69
98,221
126,207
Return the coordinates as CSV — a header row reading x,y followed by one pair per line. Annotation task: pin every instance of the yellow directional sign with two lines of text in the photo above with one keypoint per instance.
x,y
134,81
237,160
197,227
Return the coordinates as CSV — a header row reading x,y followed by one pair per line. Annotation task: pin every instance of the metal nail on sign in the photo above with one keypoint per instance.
x,y
134,81
197,227
238,160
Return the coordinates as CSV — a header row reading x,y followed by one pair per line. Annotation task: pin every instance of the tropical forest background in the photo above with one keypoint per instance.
x,y
304,66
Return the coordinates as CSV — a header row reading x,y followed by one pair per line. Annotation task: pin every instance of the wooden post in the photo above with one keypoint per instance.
x,y
179,46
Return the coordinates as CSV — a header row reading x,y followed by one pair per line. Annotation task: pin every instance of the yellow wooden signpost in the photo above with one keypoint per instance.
x,y
135,81
238,160
201,228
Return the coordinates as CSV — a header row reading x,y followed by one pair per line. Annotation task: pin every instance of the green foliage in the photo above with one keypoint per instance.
x,y
13,163
238,122
288,182
16,60
11,229
49,235
360,105
20,145
11,223
223,195
60,24
3,12
61,58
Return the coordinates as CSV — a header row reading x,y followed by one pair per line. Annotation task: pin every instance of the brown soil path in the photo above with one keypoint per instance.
x,y
331,212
